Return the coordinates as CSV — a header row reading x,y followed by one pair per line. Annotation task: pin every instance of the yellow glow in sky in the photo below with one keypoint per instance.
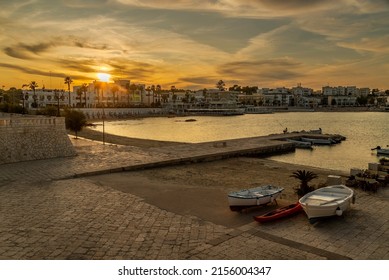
x,y
104,77
260,43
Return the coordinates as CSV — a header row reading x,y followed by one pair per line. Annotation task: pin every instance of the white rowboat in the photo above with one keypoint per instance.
x,y
318,141
253,197
327,201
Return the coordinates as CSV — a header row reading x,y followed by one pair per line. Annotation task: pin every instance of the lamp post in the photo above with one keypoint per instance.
x,y
103,125
104,77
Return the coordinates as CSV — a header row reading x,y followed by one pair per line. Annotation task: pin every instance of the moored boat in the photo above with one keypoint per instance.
x,y
279,213
300,144
327,201
215,111
381,151
315,131
253,197
318,141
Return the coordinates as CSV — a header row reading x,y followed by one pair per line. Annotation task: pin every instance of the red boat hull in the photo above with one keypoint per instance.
x,y
279,213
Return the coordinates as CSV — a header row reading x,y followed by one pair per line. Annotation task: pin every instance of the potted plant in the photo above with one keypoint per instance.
x,y
305,177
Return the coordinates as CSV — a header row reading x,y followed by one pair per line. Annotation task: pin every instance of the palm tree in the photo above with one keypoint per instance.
x,y
133,89
68,81
127,86
84,89
174,97
148,95
33,85
141,88
305,177
79,96
114,90
158,89
153,90
97,86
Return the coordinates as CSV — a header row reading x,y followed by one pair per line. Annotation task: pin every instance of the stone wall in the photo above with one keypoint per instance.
x,y
25,138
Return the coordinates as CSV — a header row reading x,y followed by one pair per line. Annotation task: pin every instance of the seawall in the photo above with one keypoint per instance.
x,y
24,138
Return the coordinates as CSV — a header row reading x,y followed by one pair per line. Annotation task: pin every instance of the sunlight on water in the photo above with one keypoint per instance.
x,y
364,130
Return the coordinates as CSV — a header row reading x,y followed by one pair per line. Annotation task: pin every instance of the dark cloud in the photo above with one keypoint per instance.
x,y
82,65
32,71
24,51
30,51
84,3
273,69
292,4
198,80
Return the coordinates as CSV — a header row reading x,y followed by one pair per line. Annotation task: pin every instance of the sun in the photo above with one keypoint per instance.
x,y
104,77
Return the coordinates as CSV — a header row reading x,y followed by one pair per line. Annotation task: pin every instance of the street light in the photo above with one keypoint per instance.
x,y
104,77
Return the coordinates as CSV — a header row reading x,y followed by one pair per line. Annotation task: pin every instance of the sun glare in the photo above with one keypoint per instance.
x,y
104,77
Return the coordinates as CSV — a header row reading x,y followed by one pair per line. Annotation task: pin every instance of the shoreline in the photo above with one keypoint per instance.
x,y
95,135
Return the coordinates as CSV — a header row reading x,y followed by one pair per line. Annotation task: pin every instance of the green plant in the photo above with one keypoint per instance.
x,y
305,177
74,120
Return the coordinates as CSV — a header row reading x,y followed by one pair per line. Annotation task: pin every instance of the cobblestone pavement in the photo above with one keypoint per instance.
x,y
44,216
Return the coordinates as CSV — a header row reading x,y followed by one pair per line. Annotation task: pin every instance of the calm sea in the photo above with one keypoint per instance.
x,y
364,130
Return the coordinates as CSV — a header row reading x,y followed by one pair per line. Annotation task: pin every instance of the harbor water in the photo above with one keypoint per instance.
x,y
363,130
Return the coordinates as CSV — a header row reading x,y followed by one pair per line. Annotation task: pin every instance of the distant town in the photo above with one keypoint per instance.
x,y
126,94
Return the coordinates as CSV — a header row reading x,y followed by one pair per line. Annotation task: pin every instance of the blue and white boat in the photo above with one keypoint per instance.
x,y
253,197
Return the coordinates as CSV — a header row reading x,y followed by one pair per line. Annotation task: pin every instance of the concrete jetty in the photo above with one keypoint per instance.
x,y
184,153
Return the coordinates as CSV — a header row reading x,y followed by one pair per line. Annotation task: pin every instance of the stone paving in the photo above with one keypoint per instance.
x,y
48,214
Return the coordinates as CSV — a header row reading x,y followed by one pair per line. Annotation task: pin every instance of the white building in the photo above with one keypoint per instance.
x,y
42,98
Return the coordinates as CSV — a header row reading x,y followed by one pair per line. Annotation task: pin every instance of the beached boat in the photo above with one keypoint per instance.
x,y
279,213
327,201
253,197
318,141
300,144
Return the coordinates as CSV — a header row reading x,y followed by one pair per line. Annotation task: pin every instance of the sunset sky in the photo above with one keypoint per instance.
x,y
193,44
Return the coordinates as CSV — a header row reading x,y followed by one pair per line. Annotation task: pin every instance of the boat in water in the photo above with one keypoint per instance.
x,y
381,151
300,144
253,197
279,213
215,111
327,201
319,141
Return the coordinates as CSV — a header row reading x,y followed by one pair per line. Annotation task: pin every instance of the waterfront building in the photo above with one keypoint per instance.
x,y
120,93
364,91
42,98
256,99
339,100
327,90
206,99
308,101
301,91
